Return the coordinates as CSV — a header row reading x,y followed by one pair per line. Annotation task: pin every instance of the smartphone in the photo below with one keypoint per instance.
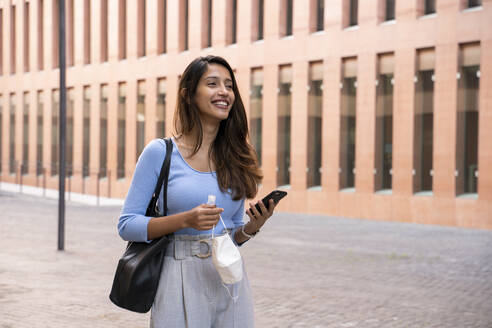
x,y
276,195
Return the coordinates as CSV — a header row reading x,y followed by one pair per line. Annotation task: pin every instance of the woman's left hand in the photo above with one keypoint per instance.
x,y
257,220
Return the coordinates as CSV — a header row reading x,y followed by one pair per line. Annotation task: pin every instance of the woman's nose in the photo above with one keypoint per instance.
x,y
222,90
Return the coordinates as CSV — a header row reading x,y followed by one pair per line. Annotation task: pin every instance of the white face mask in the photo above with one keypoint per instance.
x,y
227,259
225,255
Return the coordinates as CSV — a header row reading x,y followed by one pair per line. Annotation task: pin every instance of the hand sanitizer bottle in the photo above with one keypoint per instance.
x,y
211,200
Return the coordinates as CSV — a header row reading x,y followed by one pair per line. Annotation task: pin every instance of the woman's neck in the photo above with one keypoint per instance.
x,y
209,133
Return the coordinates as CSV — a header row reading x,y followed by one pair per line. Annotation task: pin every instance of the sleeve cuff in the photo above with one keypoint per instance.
x,y
135,229
233,233
145,233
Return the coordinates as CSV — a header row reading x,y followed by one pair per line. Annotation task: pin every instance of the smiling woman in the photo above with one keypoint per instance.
x,y
211,155
206,84
214,95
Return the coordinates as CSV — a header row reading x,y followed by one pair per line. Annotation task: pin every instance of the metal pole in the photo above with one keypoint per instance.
x,y
20,179
44,182
69,188
63,103
83,180
109,183
17,179
98,181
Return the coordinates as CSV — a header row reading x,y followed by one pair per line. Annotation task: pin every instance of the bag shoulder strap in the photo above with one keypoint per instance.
x,y
163,179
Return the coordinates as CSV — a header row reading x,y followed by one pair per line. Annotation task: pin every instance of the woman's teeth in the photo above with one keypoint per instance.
x,y
221,103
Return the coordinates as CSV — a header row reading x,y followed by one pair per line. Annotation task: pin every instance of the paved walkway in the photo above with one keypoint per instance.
x,y
306,271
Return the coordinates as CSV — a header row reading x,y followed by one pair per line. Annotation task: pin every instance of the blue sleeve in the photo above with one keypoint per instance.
x,y
237,218
132,224
238,221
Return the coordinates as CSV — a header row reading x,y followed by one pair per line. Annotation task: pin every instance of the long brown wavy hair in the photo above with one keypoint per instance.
x,y
235,160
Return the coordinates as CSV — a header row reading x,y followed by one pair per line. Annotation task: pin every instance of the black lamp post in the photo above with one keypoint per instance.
x,y
63,104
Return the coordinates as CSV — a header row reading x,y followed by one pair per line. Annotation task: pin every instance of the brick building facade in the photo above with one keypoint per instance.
x,y
375,109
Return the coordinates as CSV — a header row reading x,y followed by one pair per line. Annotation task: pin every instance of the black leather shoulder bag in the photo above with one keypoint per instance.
x,y
139,269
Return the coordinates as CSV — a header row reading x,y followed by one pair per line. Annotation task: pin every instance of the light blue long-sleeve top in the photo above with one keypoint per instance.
x,y
187,189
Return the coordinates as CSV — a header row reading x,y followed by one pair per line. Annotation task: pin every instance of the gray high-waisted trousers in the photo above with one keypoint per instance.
x,y
191,294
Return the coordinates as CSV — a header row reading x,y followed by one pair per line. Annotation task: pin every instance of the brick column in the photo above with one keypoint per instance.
x,y
78,128
150,108
365,123
298,135
269,126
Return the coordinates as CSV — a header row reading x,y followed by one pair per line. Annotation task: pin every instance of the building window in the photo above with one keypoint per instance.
x,y
256,110
26,36
1,133
389,10
87,32
261,18
384,123
467,119
55,34
121,130
40,35
25,134
350,13
162,26
353,12
347,123
315,119
141,30
289,17
423,121
86,131
286,17
257,19
70,33
317,12
320,15
234,21
122,30
69,133
183,26
39,133
283,125
429,7
140,117
231,20
55,126
103,132
160,127
474,3
206,23
104,30
13,39
12,161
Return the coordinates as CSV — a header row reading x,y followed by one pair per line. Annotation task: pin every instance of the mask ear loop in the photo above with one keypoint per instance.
x,y
233,298
213,228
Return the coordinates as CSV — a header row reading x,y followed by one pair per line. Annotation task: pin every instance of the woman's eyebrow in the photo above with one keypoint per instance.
x,y
217,78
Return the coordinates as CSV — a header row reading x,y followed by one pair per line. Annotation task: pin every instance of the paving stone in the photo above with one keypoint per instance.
x,y
305,271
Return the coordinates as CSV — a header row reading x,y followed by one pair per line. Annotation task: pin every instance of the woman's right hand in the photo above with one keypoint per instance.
x,y
203,217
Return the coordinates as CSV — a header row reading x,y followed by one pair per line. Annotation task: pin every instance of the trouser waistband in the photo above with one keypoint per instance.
x,y
183,246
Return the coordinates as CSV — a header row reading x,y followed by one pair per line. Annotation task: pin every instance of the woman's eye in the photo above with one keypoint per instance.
x,y
229,87
212,84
